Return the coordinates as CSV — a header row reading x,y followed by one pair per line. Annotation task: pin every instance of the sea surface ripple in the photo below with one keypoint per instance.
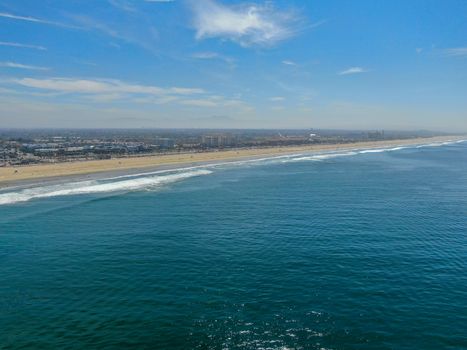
x,y
349,250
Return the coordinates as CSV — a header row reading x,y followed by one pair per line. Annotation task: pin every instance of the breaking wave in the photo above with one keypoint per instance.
x,y
319,157
379,150
438,144
157,179
324,156
97,186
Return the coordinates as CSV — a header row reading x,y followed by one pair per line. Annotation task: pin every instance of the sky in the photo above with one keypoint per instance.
x,y
363,64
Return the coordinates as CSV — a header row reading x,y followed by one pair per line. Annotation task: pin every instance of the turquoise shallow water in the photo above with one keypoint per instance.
x,y
357,251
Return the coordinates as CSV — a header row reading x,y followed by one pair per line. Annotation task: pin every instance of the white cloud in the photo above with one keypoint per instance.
x,y
456,52
419,50
101,86
184,91
215,101
246,24
289,63
22,18
353,70
199,103
110,90
21,66
206,55
26,46
238,104
133,29
158,100
122,5
214,56
105,98
34,20
277,99
159,0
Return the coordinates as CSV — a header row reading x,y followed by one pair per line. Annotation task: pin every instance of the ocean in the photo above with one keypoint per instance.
x,y
361,249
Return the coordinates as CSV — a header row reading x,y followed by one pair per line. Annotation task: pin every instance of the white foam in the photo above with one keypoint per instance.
x,y
98,186
155,179
319,157
213,165
323,156
260,160
439,144
380,150
284,159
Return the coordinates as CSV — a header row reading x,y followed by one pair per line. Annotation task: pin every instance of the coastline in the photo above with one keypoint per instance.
x,y
11,176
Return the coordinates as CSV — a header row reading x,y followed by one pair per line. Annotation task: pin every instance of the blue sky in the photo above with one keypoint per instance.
x,y
392,64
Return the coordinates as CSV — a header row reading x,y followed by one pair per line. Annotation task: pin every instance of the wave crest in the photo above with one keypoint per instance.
x,y
97,186
156,179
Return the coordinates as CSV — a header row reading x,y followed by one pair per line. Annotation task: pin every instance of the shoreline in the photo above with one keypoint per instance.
x,y
30,174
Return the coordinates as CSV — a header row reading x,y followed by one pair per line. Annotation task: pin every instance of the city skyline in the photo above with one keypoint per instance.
x,y
234,64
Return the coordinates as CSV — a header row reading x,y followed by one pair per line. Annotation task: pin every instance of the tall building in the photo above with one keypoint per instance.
x,y
164,142
217,140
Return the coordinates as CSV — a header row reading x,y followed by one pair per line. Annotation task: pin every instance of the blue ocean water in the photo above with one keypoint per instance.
x,y
354,250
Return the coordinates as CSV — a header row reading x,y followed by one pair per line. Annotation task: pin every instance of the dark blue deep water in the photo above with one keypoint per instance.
x,y
361,251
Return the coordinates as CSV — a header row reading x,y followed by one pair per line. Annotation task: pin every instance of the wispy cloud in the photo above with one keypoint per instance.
x,y
35,20
133,29
289,63
130,30
217,102
456,52
130,5
353,70
112,90
21,66
246,24
26,46
214,56
200,103
205,55
158,100
101,86
123,5
23,18
277,99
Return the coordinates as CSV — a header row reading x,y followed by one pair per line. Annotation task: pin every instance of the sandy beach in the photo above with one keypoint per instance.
x,y
10,175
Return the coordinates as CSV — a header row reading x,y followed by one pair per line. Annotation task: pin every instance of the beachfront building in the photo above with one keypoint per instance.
x,y
217,140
